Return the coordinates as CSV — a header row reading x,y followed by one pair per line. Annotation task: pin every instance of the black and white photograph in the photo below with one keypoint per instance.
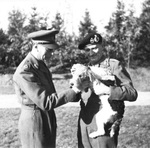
x,y
75,73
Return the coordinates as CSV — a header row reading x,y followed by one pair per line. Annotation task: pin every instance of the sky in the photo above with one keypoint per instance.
x,y
71,10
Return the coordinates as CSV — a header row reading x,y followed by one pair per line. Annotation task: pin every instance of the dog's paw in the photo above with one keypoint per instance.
x,y
96,134
112,133
108,77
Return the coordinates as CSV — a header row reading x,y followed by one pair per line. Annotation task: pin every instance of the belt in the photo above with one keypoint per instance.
x,y
29,106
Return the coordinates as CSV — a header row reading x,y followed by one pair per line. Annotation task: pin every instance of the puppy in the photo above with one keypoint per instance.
x,y
95,76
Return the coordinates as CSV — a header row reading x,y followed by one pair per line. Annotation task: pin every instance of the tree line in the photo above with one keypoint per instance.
x,y
127,37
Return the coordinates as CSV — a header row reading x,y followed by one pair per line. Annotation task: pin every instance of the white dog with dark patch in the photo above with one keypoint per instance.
x,y
95,76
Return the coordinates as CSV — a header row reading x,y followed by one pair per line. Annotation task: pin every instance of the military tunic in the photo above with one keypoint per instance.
x,y
37,95
121,91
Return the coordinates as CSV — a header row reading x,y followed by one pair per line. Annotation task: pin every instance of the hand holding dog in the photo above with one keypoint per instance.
x,y
79,85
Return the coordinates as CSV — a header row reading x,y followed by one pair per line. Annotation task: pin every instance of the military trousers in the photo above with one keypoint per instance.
x,y
37,128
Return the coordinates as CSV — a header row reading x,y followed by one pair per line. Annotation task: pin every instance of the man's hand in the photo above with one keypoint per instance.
x,y
100,88
79,84
76,89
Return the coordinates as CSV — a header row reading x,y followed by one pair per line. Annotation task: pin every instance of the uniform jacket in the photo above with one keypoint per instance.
x,y
33,83
122,90
36,92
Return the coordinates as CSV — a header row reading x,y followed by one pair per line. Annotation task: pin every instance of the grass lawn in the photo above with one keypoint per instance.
x,y
135,127
134,132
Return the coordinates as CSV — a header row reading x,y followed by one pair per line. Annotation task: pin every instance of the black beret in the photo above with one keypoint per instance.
x,y
90,38
44,37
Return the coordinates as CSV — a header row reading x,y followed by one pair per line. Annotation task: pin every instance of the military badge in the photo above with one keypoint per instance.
x,y
26,67
94,40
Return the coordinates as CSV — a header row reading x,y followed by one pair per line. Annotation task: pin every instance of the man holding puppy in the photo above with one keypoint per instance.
x,y
121,91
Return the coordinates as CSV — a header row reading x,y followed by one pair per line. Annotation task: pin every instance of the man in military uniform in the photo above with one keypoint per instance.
x,y
121,91
37,94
